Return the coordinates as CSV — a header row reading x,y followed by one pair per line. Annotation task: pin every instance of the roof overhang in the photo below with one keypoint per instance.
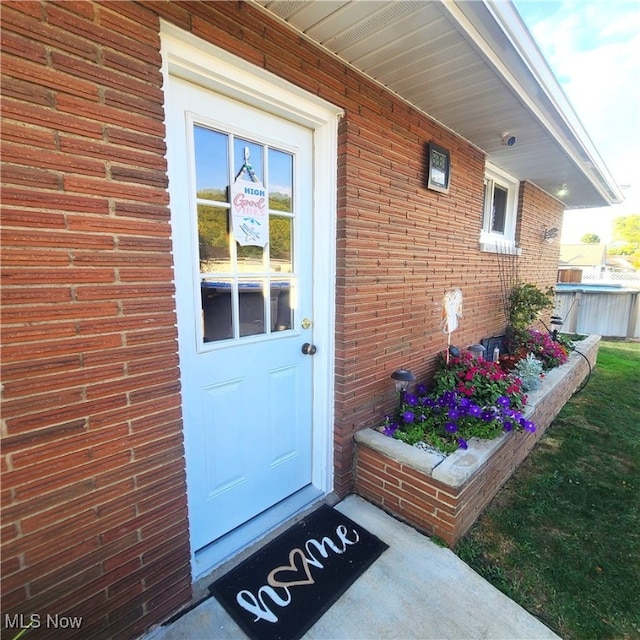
x,y
474,67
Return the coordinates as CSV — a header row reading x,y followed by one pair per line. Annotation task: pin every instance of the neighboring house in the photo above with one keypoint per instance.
x,y
590,261
578,259
620,264
159,413
583,256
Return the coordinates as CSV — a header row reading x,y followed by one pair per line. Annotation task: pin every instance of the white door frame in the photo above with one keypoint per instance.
x,y
189,57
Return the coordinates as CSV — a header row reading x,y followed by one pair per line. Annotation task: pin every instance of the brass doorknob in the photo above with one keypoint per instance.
x,y
308,349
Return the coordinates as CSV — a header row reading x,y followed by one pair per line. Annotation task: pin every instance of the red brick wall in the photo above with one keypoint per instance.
x,y
94,506
539,260
401,247
93,479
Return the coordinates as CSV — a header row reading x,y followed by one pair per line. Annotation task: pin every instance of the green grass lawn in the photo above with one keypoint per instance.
x,y
562,538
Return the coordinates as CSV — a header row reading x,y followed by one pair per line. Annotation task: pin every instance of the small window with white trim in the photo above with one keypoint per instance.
x,y
500,210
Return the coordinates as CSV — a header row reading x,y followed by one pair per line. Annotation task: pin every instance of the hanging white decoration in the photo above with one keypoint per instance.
x,y
451,311
249,213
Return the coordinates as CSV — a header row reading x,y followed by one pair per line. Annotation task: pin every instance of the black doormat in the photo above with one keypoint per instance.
x,y
284,588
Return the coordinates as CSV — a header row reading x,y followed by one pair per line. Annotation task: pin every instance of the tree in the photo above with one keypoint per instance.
x,y
627,228
622,249
590,238
626,232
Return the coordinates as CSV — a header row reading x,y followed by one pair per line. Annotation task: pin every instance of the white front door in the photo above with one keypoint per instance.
x,y
244,311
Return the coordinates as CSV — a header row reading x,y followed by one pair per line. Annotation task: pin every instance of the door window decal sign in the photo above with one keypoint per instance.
x,y
249,212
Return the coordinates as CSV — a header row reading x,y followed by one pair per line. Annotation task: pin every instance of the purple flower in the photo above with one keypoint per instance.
x,y
390,429
451,427
449,397
410,399
408,416
487,415
421,389
428,402
454,414
503,401
462,443
475,411
529,426
507,426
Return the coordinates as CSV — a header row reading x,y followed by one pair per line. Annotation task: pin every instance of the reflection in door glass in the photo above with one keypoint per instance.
x,y
212,168
280,180
281,319
217,312
213,239
249,258
280,232
240,149
251,308
245,290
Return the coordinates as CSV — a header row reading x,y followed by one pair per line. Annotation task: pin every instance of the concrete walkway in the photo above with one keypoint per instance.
x,y
415,589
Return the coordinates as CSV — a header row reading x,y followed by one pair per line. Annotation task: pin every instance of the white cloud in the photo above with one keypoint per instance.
x,y
593,47
594,50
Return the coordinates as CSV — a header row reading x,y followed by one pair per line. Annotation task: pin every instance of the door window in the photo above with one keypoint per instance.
x,y
246,290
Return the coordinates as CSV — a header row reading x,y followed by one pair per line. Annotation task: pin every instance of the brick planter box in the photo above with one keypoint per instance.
x,y
443,496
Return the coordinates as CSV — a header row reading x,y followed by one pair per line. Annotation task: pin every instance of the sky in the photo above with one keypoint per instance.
x,y
593,48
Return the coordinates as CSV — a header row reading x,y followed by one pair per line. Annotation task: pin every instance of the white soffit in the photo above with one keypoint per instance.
x,y
474,67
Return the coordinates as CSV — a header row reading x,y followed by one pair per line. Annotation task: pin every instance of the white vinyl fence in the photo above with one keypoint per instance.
x,y
608,310
628,278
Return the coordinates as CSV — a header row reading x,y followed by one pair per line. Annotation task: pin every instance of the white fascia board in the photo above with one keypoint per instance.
x,y
532,79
